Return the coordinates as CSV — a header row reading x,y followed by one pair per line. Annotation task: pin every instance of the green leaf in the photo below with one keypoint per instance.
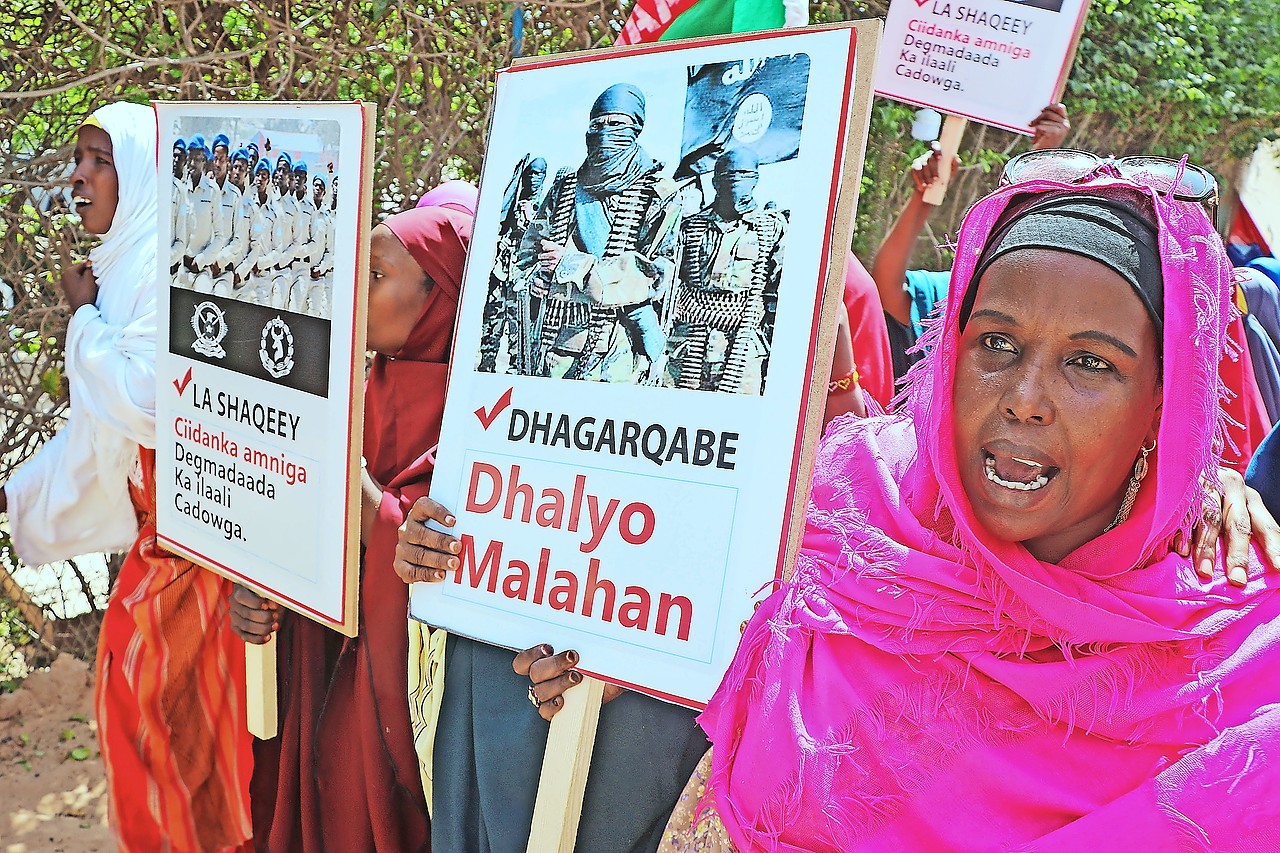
x,y
80,753
51,381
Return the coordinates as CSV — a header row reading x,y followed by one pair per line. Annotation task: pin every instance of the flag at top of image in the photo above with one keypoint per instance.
x,y
723,104
756,104
663,20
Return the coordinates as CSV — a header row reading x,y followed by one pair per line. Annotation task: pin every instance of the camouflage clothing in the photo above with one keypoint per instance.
x,y
597,320
508,309
725,302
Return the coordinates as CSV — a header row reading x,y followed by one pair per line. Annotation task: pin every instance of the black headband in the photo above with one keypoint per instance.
x,y
1111,231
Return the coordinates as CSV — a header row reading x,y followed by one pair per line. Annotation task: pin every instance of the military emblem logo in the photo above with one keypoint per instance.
x,y
276,348
210,326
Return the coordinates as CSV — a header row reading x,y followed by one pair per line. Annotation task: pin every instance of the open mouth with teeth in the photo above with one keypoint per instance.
x,y
1017,474
79,202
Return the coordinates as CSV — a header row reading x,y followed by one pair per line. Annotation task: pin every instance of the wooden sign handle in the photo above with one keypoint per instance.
x,y
949,139
260,692
564,769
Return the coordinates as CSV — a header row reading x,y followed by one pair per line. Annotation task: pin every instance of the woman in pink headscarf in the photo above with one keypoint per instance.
x,y
988,643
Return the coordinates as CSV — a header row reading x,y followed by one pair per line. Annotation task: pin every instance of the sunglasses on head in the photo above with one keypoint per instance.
x,y
1185,181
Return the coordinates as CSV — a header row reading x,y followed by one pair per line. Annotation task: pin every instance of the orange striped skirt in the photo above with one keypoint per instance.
x,y
170,701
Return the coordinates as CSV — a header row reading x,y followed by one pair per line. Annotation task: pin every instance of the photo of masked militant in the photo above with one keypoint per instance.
x,y
601,252
722,312
510,308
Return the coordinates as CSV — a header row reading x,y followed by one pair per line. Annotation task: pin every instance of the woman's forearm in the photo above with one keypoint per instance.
x,y
894,256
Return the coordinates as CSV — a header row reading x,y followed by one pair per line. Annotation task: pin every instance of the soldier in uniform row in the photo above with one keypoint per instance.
x,y
296,245
283,235
269,244
256,268
228,228
238,173
254,157
177,248
305,243
235,261
207,233
319,291
193,229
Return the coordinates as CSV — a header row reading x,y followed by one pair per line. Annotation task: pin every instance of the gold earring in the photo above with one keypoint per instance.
x,y
1131,493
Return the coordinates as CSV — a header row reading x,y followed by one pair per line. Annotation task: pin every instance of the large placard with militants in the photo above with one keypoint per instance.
x,y
263,235
994,61
643,345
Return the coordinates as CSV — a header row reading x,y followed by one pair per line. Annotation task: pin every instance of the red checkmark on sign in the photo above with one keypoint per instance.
x,y
487,418
921,2
181,384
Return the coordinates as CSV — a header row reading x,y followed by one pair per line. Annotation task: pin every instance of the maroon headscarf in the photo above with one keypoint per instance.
x,y
404,395
350,779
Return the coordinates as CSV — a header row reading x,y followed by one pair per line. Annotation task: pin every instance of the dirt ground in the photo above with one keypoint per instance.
x,y
52,785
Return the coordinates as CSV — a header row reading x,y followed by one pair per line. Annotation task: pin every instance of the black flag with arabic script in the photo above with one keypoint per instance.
x,y
752,103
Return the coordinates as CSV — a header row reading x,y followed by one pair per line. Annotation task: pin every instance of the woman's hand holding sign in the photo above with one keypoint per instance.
x,y
427,555
551,675
253,618
424,554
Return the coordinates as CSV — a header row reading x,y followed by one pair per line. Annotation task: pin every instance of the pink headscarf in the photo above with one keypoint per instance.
x,y
455,195
918,685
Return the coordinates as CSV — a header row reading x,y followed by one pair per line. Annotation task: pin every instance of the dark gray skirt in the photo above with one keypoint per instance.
x,y
488,757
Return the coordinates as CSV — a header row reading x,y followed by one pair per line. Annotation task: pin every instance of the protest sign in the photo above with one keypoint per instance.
x,y
643,346
995,61
263,234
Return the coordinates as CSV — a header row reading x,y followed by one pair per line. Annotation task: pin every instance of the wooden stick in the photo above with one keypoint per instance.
x,y
564,769
260,693
952,130
31,612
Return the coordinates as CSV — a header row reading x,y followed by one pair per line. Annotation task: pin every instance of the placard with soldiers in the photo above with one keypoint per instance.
x,y
253,220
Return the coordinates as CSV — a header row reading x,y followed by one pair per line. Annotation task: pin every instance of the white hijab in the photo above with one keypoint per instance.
x,y
72,496
128,247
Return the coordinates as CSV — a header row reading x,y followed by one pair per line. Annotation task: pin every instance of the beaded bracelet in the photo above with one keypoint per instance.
x,y
843,383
